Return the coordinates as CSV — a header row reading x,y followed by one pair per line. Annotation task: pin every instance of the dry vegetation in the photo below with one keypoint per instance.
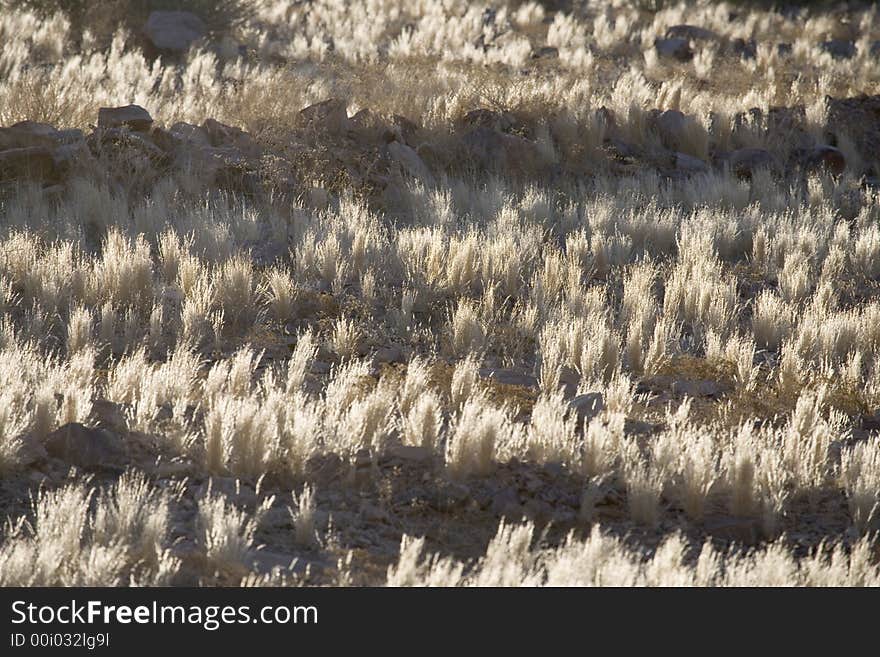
x,y
532,300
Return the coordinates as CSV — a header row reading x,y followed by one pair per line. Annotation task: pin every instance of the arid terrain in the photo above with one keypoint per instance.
x,y
438,292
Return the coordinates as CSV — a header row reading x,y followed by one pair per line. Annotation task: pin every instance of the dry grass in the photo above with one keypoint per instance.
x,y
443,325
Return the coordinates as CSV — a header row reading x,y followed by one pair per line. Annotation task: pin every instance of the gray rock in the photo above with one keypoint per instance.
x,y
27,134
174,31
133,117
85,447
698,388
824,158
108,415
509,377
690,165
839,48
389,355
744,162
491,149
228,136
672,127
588,405
744,49
691,33
409,161
191,133
679,49
731,528
35,163
546,52
330,116
506,503
410,453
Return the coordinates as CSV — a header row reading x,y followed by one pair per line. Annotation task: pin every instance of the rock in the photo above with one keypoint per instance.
x,y
133,117
546,52
190,133
84,447
731,528
367,127
505,503
486,118
328,116
174,31
689,165
671,126
108,415
491,149
690,33
839,48
121,140
538,510
389,355
409,161
222,135
404,130
697,388
824,158
744,162
27,134
859,118
73,158
679,49
224,166
410,453
587,406
509,377
744,49
871,422
320,367
34,163
69,136
637,427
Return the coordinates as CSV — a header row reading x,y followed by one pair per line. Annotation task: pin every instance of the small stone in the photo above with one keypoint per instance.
x,y
133,117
